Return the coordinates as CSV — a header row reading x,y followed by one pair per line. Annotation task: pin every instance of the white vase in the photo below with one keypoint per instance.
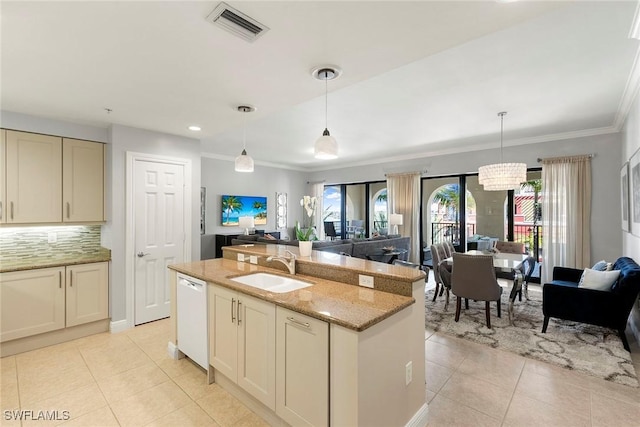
x,y
305,248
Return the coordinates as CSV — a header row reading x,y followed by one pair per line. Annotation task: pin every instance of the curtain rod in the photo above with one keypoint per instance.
x,y
317,182
405,173
590,155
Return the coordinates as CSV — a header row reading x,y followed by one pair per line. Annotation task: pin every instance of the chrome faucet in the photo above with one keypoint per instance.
x,y
290,262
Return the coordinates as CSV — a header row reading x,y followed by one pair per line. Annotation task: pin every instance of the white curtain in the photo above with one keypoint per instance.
x,y
566,213
318,192
403,197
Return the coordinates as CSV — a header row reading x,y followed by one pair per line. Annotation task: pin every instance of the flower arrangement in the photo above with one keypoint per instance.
x,y
307,232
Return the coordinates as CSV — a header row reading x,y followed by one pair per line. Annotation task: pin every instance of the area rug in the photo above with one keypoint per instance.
x,y
585,348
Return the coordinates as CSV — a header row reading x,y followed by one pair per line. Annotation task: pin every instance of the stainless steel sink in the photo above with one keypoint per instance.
x,y
272,282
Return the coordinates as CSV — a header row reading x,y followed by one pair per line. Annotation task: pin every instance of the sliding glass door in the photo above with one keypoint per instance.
x,y
356,210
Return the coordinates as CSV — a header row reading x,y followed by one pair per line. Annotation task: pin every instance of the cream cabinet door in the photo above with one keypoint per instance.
x,y
82,180
302,369
87,293
223,331
3,177
31,302
34,178
257,348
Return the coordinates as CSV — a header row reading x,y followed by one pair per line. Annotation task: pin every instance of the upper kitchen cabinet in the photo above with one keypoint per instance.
x,y
3,199
33,168
49,179
82,181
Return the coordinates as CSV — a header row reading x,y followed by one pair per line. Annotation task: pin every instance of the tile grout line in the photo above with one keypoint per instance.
x,y
115,417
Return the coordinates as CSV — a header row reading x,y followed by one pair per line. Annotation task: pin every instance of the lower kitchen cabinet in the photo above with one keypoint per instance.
x,y
242,341
31,302
302,369
47,299
87,293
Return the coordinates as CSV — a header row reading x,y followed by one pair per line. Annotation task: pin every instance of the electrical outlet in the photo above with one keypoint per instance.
x,y
53,237
366,281
241,257
408,373
253,259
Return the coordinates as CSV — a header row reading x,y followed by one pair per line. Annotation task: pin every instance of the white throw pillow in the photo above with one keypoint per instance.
x,y
599,280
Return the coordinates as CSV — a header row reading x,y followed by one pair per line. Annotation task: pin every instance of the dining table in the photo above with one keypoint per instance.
x,y
506,263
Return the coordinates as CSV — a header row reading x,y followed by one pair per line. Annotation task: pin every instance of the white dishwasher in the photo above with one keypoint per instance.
x,y
192,319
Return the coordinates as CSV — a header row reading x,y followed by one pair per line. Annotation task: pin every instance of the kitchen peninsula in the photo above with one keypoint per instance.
x,y
334,353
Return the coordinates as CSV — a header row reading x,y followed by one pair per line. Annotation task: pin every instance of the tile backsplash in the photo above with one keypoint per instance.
x,y
27,242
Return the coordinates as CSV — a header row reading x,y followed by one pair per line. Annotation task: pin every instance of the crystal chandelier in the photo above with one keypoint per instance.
x,y
244,163
502,176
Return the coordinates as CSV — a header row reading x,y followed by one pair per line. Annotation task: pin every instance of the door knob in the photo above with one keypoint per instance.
x,y
141,254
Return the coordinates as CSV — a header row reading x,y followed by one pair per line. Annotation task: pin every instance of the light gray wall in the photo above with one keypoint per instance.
x,y
122,140
630,242
606,239
219,178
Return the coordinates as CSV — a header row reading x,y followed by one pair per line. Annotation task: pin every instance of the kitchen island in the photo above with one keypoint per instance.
x,y
342,354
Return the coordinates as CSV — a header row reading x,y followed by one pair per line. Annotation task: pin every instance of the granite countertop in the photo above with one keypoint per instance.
x,y
330,259
353,307
57,260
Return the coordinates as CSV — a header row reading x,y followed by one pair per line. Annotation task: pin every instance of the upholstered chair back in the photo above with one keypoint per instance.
x,y
473,277
510,247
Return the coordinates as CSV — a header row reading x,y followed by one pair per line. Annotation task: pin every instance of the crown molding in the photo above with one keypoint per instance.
x,y
477,147
267,164
630,91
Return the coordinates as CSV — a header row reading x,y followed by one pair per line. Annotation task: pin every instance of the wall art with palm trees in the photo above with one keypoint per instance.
x,y
233,207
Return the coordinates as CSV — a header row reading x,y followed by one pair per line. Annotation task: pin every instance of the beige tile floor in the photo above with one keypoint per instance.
x,y
128,379
124,379
470,384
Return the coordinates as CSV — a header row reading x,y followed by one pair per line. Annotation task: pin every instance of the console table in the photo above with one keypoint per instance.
x,y
225,239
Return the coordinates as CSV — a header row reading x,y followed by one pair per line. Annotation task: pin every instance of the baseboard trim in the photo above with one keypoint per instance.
x,y
420,418
172,351
33,342
118,326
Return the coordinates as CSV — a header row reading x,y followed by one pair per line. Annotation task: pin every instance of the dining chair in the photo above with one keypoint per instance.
x,y
441,272
330,230
449,248
473,277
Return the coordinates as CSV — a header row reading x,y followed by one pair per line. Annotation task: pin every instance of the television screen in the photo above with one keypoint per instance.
x,y
233,207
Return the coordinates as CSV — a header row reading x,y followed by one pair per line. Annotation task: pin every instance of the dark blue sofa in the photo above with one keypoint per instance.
x,y
563,299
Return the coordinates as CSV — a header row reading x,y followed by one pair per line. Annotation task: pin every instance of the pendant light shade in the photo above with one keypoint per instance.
x,y
244,163
326,147
502,176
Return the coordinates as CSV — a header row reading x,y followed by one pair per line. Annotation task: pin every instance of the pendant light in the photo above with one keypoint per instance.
x,y
502,176
244,163
326,146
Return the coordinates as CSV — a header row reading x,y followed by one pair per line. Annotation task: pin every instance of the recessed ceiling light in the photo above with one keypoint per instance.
x,y
195,128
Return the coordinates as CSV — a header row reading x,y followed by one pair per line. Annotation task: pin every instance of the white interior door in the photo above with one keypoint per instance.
x,y
159,234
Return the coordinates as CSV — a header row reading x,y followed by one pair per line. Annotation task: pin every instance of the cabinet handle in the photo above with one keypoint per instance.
x,y
299,323
233,309
71,280
239,311
60,279
0,210
11,210
68,210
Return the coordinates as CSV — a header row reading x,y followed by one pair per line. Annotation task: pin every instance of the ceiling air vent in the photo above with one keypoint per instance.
x,y
236,22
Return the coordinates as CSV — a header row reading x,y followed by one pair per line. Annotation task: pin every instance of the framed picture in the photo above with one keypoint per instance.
x,y
233,207
634,193
624,195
